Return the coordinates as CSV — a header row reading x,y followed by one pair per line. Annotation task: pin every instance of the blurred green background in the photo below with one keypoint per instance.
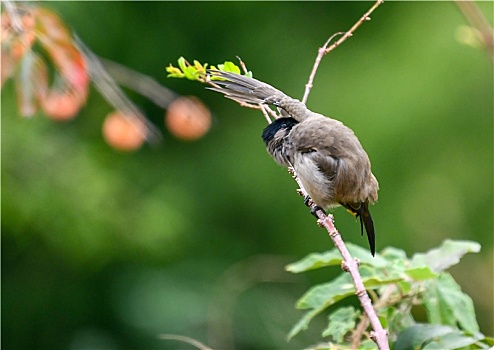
x,y
102,249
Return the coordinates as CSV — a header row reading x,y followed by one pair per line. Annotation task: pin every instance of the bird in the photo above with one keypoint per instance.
x,y
326,155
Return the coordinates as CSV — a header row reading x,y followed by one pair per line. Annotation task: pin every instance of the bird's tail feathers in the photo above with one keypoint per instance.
x,y
241,88
362,212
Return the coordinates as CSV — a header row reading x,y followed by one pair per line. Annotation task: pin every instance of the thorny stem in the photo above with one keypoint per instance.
x,y
325,50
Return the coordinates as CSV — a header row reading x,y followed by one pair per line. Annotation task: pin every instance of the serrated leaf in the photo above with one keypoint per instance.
x,y
333,257
447,304
341,322
415,336
447,255
420,273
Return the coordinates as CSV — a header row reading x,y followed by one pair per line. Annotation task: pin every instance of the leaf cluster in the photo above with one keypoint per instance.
x,y
398,285
197,70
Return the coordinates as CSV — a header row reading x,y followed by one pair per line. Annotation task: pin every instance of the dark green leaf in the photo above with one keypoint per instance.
x,y
453,340
447,304
302,324
414,337
341,322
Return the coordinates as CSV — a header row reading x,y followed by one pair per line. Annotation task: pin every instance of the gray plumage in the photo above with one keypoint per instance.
x,y
326,155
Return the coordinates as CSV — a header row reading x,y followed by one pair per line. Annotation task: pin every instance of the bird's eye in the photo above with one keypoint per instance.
x,y
284,125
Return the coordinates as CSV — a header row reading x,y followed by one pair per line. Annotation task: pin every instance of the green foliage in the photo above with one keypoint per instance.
x,y
197,71
398,283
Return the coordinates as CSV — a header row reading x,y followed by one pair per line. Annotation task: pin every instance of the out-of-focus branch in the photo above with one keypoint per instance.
x,y
140,83
477,20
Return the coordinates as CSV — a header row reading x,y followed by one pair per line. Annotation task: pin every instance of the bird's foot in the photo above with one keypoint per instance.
x,y
313,207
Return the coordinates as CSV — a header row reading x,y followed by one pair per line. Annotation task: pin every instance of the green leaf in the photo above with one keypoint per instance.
x,y
229,67
447,304
453,340
392,254
333,257
341,322
182,64
374,278
413,337
421,273
302,324
447,255
322,296
190,73
174,72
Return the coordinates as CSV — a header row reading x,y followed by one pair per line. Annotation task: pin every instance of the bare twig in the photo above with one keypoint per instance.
x,y
325,50
477,20
320,54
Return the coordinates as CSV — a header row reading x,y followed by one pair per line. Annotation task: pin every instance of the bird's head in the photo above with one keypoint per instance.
x,y
275,135
275,132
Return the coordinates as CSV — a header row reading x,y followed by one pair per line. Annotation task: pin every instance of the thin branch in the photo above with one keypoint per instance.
x,y
477,20
379,334
364,322
325,50
140,83
320,54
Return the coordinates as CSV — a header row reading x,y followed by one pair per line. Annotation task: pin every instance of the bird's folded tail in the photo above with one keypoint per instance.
x,y
245,89
241,88
362,212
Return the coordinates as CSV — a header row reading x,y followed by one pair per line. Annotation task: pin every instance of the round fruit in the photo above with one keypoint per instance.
x,y
188,118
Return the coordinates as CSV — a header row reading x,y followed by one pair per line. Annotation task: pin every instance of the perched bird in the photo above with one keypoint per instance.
x,y
326,155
